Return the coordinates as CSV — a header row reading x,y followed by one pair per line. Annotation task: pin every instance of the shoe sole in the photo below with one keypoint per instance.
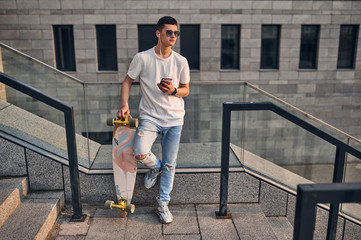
x,y
160,217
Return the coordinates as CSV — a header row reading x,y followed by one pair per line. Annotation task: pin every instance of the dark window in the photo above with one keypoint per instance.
x,y
146,37
309,46
189,44
347,46
270,46
107,47
230,46
64,47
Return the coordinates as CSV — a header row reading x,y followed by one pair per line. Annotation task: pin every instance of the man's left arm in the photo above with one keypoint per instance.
x,y
168,88
183,90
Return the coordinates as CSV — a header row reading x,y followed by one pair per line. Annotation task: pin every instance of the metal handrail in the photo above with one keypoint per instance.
x,y
70,137
308,195
340,156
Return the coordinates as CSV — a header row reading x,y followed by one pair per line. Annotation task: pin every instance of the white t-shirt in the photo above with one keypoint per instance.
x,y
165,110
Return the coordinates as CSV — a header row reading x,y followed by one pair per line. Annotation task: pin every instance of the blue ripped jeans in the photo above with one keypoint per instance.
x,y
147,133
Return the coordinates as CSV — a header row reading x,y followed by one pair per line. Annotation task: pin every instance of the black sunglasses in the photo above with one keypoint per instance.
x,y
170,32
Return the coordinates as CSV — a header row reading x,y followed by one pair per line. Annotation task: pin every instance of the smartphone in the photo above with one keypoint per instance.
x,y
165,80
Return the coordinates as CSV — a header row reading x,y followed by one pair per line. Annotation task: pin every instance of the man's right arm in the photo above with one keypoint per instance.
x,y
124,97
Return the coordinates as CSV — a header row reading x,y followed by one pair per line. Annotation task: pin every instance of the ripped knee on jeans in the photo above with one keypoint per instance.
x,y
168,167
141,157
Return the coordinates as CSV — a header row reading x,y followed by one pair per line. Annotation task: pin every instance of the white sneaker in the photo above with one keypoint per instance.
x,y
151,177
163,212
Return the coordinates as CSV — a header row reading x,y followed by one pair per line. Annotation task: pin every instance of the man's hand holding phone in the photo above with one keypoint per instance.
x,y
166,86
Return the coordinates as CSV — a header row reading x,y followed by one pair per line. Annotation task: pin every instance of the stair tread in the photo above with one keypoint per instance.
x,y
281,227
29,218
8,185
251,223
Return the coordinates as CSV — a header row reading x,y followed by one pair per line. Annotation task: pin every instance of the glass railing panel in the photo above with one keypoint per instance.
x,y
284,152
202,130
254,95
50,82
353,174
103,102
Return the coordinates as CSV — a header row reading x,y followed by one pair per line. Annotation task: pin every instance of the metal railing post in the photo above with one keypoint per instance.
x,y
73,165
304,216
226,129
338,171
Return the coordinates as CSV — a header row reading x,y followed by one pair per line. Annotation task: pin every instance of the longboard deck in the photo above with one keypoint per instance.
x,y
124,163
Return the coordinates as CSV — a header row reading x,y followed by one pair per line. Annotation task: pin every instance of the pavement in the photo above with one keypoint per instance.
x,y
191,221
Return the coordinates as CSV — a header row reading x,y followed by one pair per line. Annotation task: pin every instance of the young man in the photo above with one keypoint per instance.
x,y
164,81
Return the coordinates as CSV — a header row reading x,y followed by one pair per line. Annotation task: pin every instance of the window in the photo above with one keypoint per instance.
x,y
106,47
189,44
309,46
230,46
146,37
270,46
347,46
64,47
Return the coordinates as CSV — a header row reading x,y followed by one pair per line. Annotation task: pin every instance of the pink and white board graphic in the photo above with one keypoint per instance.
x,y
124,163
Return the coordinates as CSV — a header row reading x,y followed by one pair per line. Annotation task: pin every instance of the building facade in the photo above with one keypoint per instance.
x,y
304,52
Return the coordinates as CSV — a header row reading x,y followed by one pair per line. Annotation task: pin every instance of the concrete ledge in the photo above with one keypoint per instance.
x,y
273,201
188,188
12,159
352,230
39,168
44,134
268,169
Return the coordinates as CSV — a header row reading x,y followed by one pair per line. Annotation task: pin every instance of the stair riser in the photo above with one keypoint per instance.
x,y
9,206
13,192
49,223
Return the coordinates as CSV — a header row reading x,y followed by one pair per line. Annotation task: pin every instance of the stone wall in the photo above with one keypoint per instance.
x,y
328,93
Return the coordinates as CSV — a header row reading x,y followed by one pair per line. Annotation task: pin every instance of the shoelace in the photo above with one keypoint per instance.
x,y
153,173
164,208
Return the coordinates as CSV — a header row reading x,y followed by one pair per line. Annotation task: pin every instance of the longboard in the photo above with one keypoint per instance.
x,y
124,163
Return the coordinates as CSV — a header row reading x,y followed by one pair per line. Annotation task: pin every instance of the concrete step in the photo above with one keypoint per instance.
x,y
281,227
251,223
34,218
12,191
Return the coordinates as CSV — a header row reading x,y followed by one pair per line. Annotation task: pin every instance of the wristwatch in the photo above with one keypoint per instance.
x,y
175,92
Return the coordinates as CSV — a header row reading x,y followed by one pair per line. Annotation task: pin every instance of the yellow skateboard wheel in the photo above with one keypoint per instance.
x,y
110,121
133,122
108,204
130,208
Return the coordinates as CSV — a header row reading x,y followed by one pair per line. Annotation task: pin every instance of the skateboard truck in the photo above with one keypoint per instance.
x,y
128,121
123,205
